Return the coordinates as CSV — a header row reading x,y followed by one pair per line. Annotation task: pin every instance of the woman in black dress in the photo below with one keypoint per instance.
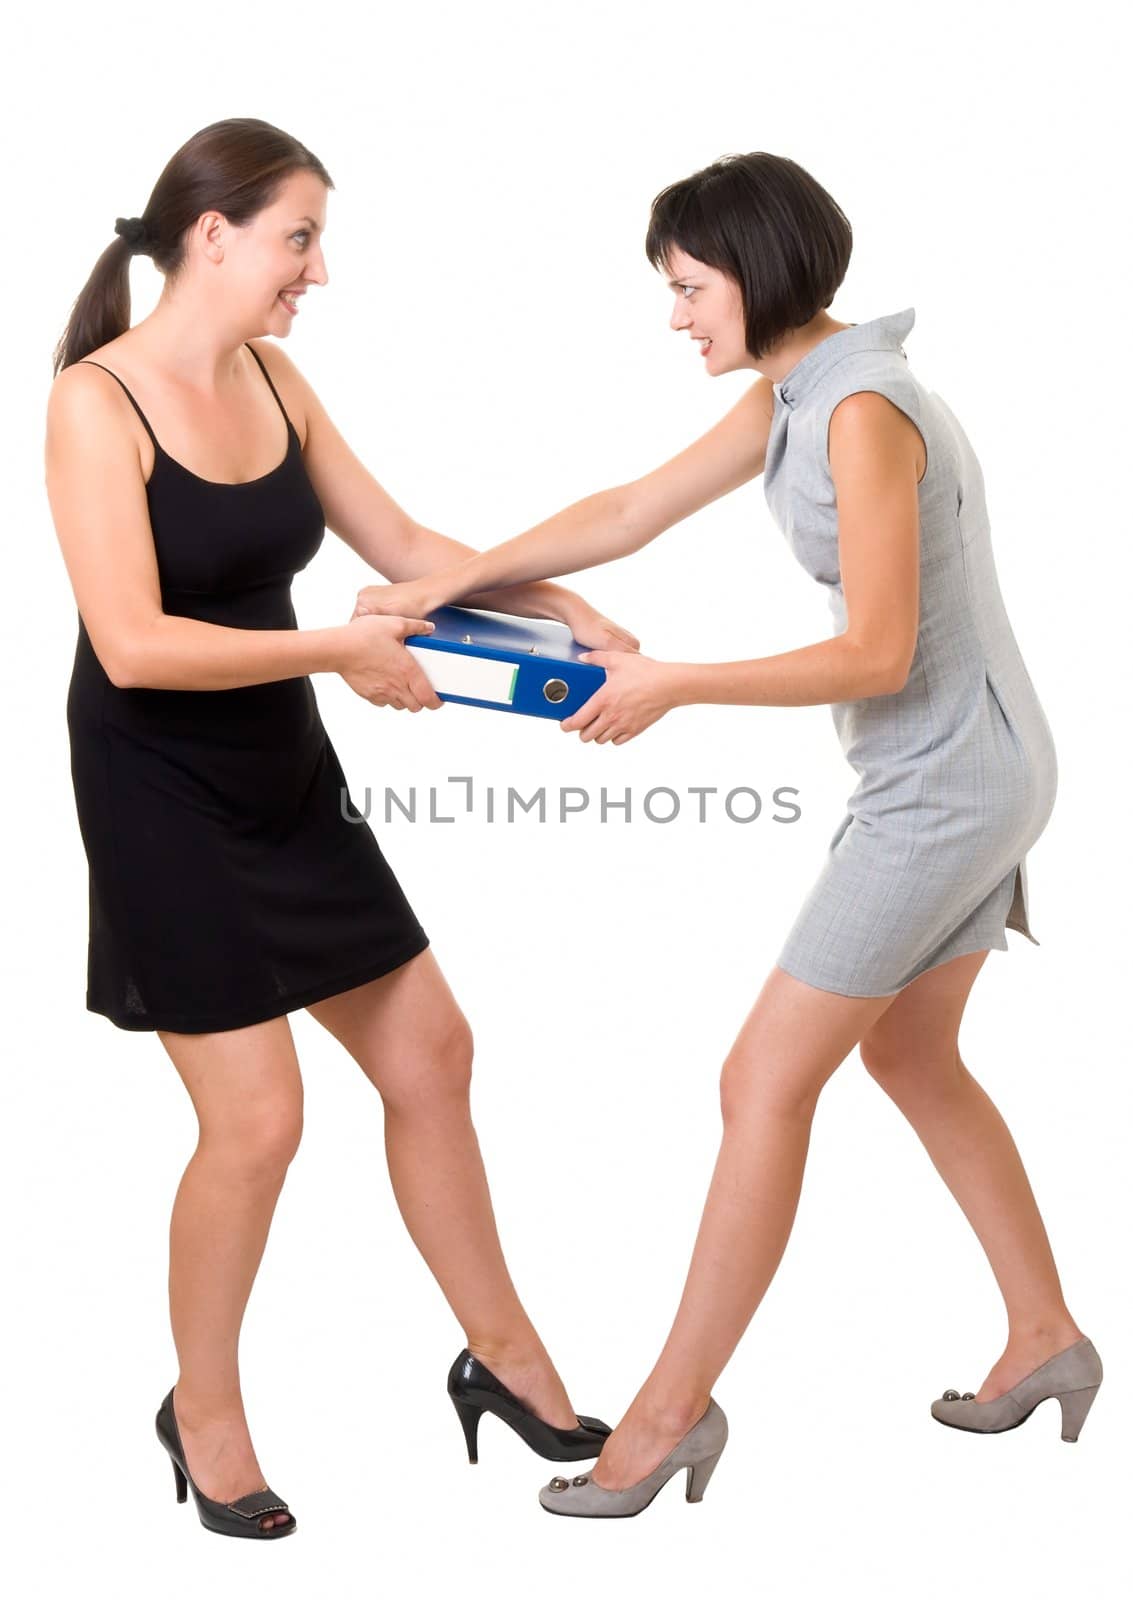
x,y
227,888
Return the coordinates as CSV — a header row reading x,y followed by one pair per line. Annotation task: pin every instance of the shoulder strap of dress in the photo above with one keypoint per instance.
x,y
87,362
271,385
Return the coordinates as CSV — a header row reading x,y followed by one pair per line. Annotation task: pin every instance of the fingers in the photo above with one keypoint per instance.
x,y
424,691
597,722
620,638
585,713
624,640
410,625
417,681
415,694
591,732
609,732
397,699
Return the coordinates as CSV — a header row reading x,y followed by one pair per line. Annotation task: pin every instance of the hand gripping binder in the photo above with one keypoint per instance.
x,y
505,663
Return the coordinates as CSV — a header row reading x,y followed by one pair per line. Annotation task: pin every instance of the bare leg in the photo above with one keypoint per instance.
x,y
411,1040
913,1053
793,1040
248,1096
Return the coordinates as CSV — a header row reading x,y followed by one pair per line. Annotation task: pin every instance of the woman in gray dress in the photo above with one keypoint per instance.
x,y
878,492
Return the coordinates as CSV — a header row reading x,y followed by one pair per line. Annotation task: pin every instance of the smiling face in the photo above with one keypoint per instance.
x,y
709,308
279,253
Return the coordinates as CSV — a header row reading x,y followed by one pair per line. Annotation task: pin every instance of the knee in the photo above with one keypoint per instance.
x,y
747,1086
904,1067
452,1064
436,1072
880,1061
262,1142
734,1090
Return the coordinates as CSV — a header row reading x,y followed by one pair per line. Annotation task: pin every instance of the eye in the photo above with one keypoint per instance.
x,y
303,233
687,289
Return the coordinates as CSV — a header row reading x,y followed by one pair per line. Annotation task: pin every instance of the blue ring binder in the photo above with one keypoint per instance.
x,y
505,663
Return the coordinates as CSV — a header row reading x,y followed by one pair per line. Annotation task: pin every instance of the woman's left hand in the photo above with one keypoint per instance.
x,y
636,693
410,599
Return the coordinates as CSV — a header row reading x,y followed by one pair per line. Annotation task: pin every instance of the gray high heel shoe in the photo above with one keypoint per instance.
x,y
698,1452
1073,1376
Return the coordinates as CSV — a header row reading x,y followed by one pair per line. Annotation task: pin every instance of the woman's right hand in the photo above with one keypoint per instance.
x,y
377,665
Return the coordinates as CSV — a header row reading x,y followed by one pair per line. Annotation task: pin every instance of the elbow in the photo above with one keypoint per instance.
x,y
126,665
116,663
625,515
895,677
120,672
877,672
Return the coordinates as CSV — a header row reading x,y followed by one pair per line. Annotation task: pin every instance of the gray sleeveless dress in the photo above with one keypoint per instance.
x,y
957,773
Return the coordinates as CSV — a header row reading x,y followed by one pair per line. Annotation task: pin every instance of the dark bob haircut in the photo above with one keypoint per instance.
x,y
765,222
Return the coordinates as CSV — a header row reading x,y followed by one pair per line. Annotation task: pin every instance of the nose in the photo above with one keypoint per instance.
x,y
681,318
317,267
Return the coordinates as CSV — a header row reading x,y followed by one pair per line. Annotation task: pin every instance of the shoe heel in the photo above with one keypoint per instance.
x,y
1075,1406
697,1476
179,1480
469,1420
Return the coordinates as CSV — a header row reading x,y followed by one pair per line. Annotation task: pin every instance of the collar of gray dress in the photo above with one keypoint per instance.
x,y
883,333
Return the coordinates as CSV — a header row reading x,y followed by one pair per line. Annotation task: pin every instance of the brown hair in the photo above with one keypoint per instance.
x,y
769,225
236,167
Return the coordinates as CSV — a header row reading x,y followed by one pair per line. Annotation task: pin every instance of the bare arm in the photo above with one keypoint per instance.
x,y
370,521
873,450
98,502
615,522
436,552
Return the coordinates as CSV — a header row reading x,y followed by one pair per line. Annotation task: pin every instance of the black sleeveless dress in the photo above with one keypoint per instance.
x,y
232,878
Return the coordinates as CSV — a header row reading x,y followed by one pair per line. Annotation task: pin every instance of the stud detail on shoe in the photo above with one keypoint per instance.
x,y
578,1482
558,1483
950,1394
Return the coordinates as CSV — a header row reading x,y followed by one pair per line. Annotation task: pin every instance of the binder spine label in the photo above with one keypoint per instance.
x,y
474,677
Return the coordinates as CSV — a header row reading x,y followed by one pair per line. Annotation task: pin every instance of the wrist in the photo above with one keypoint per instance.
x,y
682,683
338,651
563,605
439,589
451,586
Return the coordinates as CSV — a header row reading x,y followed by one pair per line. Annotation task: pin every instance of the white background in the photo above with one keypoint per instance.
x,y
493,344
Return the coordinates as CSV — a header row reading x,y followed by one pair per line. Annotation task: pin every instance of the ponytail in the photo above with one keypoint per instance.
x,y
236,167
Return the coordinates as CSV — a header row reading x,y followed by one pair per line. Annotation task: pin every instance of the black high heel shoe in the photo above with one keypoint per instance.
x,y
474,1390
240,1517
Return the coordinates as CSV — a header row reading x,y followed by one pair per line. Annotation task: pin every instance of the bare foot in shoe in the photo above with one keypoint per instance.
x,y
532,1379
641,1441
221,1460
1023,1354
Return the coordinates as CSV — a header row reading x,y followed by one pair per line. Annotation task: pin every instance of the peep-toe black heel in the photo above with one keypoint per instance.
x,y
240,1517
473,1390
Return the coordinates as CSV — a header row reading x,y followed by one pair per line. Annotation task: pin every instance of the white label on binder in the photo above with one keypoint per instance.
x,y
474,677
